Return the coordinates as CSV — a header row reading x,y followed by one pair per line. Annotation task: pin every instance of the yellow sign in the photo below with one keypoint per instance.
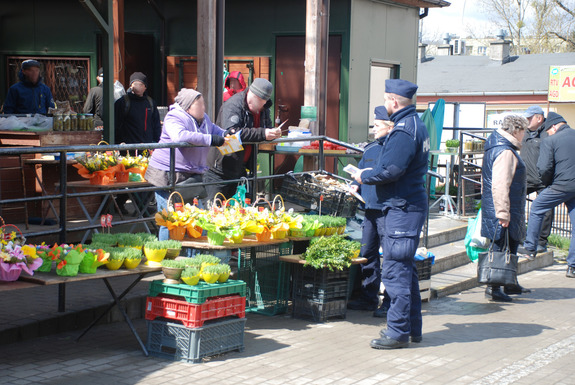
x,y
561,84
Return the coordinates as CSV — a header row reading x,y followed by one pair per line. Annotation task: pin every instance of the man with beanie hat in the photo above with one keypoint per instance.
x,y
249,112
136,115
370,241
529,153
186,121
93,104
397,175
30,95
556,166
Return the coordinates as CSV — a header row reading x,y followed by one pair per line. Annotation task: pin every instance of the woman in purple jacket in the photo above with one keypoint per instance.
x,y
186,122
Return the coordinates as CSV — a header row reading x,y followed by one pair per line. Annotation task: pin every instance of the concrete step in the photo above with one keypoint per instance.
x,y
465,277
449,256
444,230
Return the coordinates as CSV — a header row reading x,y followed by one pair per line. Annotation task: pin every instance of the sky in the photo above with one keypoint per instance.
x,y
463,18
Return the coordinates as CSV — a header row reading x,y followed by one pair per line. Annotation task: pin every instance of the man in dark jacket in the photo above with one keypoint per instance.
x,y
556,166
398,176
534,134
30,95
248,112
93,104
137,119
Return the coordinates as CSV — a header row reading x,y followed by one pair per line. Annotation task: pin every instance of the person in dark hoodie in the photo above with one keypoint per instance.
x,y
93,104
30,95
534,134
556,166
137,119
248,111
234,83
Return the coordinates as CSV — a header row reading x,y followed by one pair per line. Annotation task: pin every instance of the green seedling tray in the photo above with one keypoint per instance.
x,y
199,293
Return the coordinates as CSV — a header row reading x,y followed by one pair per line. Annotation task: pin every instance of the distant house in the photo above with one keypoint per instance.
x,y
504,83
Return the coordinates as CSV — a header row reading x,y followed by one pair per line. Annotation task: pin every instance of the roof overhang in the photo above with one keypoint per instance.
x,y
424,3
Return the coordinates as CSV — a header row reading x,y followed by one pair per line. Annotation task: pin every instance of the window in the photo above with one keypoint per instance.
x,y
67,77
380,71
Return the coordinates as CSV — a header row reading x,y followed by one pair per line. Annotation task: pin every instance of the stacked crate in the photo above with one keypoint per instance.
x,y
319,294
189,323
424,275
266,278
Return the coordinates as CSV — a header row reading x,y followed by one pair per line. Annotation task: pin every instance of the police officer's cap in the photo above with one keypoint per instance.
x,y
400,87
381,113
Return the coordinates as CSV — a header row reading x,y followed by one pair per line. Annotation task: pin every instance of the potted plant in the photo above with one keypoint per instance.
x,y
173,248
42,252
211,273
93,259
132,258
116,259
452,145
147,237
191,275
155,252
172,270
207,260
69,261
192,262
105,238
99,168
130,240
224,271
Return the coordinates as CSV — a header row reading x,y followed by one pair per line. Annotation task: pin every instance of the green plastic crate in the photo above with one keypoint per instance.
x,y
266,277
199,293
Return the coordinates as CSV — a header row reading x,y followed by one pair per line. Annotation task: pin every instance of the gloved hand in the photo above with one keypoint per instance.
x,y
217,141
230,131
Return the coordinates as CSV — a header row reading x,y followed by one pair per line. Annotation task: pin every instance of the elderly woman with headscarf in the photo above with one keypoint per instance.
x,y
186,121
504,187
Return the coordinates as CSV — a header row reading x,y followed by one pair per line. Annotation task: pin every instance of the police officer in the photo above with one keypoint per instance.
x,y
398,175
370,242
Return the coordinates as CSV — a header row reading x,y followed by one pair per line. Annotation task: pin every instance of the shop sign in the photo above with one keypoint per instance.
x,y
561,84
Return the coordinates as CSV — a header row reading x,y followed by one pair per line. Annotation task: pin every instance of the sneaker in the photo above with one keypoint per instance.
x,y
541,249
380,312
529,255
570,272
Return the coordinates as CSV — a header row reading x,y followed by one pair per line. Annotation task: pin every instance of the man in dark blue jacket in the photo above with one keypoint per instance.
x,y
370,242
398,175
30,95
556,166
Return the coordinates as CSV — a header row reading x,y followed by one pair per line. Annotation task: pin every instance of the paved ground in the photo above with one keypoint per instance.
x,y
467,340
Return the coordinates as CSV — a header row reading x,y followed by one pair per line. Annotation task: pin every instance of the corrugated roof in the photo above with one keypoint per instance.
x,y
424,3
479,74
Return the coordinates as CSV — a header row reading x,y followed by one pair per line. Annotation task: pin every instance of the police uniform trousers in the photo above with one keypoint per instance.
x,y
400,229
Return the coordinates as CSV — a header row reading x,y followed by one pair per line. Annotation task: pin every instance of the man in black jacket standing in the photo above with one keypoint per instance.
x,y
556,166
530,154
248,111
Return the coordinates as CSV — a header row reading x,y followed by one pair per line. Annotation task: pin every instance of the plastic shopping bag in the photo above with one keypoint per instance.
x,y
474,242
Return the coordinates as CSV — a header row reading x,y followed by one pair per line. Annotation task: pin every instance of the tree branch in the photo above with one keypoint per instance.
x,y
563,7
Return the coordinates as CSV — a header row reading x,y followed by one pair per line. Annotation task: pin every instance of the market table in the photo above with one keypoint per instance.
x,y
109,191
53,279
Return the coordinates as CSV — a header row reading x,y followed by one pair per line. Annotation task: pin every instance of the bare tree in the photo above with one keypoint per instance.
x,y
509,15
568,15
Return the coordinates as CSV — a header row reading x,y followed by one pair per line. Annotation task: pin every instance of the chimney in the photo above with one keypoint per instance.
x,y
500,48
421,52
445,49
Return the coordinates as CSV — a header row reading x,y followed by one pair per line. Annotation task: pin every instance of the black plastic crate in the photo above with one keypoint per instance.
x,y
266,278
319,311
302,190
319,284
423,269
177,342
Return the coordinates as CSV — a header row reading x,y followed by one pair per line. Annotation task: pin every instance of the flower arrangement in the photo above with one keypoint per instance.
x,y
93,258
98,167
131,164
68,258
15,257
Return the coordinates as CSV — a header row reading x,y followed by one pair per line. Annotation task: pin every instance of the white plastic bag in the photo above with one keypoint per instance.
x,y
476,239
118,90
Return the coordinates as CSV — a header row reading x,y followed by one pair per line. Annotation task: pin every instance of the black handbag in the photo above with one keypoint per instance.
x,y
497,268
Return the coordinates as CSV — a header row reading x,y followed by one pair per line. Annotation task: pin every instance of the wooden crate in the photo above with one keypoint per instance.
x,y
425,290
49,138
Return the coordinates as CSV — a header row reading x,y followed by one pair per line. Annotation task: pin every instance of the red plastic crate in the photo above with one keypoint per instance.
x,y
194,315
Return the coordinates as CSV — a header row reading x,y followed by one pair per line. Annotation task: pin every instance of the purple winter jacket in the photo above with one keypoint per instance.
x,y
179,126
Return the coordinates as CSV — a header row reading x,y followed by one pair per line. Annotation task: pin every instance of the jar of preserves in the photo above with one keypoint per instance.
x,y
73,122
57,122
89,122
82,122
66,123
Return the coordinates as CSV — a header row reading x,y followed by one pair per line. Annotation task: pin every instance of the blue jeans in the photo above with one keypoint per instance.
x,y
545,201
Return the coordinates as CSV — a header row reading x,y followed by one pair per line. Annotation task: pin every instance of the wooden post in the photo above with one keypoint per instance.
x,y
207,54
119,48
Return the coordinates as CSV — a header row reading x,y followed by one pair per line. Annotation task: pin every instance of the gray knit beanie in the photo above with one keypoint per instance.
x,y
262,88
186,97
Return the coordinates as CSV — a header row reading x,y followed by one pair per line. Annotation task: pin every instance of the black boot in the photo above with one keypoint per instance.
x,y
515,289
496,294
